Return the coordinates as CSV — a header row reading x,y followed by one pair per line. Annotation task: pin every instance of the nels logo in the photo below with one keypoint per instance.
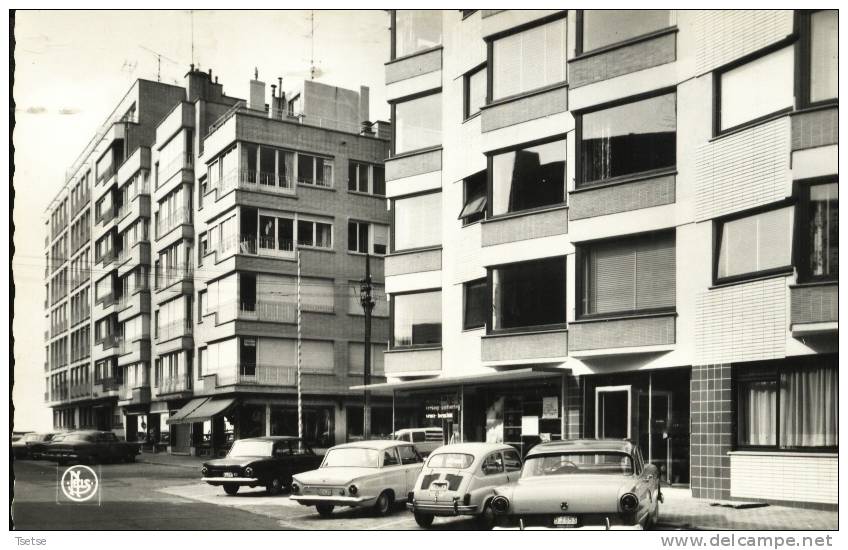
x,y
79,483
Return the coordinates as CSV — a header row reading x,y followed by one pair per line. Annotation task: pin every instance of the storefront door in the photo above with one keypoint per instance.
x,y
655,429
612,412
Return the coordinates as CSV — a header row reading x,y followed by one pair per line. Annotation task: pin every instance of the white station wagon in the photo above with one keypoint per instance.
x,y
364,474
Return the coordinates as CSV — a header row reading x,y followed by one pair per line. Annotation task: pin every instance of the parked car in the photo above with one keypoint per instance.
x,y
425,440
460,480
90,446
581,484
19,448
266,462
363,474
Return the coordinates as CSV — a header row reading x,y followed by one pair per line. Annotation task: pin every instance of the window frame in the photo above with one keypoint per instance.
x,y
482,215
579,51
393,41
394,126
466,92
801,219
803,63
465,288
392,317
490,330
718,226
371,234
392,232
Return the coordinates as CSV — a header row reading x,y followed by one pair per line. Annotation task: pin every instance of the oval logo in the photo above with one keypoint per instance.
x,y
79,483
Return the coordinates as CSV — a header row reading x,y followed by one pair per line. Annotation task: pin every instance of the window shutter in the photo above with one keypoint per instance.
x,y
656,274
774,234
317,356
611,284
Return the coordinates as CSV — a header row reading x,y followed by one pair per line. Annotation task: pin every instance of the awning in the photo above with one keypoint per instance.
x,y
201,410
455,381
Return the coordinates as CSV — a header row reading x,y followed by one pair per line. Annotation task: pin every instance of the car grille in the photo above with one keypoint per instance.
x,y
218,471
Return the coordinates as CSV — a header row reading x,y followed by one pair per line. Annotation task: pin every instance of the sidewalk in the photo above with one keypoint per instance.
x,y
165,459
682,511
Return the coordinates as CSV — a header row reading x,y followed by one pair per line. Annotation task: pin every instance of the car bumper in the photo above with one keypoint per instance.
x,y
442,509
636,527
313,500
234,480
61,456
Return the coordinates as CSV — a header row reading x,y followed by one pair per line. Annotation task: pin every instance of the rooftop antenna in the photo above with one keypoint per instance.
x,y
313,70
159,58
191,14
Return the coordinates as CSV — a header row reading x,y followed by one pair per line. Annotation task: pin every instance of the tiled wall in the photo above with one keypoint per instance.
x,y
413,165
620,61
621,198
538,345
711,417
426,260
520,228
814,303
725,35
524,109
413,66
815,128
795,477
574,408
622,333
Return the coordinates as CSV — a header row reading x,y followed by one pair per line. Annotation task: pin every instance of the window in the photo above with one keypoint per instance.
x,y
366,178
629,275
754,244
408,455
390,458
418,123
528,60
474,202
414,221
493,464
416,30
474,304
312,170
366,238
474,91
247,356
819,231
636,137
789,407
317,234
601,28
528,294
512,462
417,319
529,177
356,358
755,90
822,56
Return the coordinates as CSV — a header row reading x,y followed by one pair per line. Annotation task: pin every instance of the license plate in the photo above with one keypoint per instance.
x,y
325,492
229,474
565,520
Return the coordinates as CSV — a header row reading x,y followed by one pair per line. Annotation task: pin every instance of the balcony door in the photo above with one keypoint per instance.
x,y
613,412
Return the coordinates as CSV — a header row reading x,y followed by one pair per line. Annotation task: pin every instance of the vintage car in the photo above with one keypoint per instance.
x,y
425,440
365,474
266,462
581,484
37,444
19,448
460,479
90,446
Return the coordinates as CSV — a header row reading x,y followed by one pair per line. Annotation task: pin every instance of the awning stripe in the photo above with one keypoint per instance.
x,y
207,410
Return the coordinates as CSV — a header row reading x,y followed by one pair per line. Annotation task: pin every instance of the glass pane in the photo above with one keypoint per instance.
x,y
528,178
267,166
629,139
379,174
305,169
419,123
824,55
756,243
417,30
823,236
352,171
758,88
267,232
758,412
604,27
305,233
475,304
529,294
352,238
529,60
414,227
285,234
809,407
476,91
323,235
417,319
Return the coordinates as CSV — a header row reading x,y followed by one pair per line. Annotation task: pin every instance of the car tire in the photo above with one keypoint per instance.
x,y
486,519
325,510
424,520
384,504
274,487
231,488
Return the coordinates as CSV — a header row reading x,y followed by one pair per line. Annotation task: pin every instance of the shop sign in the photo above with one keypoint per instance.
x,y
529,425
550,407
445,407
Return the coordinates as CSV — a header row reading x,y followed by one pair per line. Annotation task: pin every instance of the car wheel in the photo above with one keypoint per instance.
x,y
275,487
231,488
383,504
486,520
424,520
325,510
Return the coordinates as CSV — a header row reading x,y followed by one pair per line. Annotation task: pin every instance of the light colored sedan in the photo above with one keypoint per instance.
x,y
460,480
581,484
365,474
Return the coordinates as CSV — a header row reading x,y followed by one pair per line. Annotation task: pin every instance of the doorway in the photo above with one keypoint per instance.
x,y
654,438
612,412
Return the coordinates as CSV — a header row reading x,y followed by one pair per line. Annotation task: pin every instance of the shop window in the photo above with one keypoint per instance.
x,y
416,30
474,304
629,275
414,221
819,231
474,201
822,56
417,319
529,59
600,28
789,408
473,91
529,294
756,90
418,123
528,177
753,245
633,138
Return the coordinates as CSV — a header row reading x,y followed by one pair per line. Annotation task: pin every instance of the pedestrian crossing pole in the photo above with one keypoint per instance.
x,y
299,360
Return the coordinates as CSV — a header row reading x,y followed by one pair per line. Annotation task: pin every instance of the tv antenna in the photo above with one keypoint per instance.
x,y
159,58
313,69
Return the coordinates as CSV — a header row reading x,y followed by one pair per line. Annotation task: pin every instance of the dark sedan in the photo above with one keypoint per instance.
x,y
90,446
36,444
266,462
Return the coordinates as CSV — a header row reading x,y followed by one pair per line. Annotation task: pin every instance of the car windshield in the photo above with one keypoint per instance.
x,y
607,463
459,461
251,448
353,457
58,437
33,437
78,437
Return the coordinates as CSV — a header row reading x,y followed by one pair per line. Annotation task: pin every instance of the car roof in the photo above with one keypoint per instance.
x,y
472,448
376,444
585,445
272,438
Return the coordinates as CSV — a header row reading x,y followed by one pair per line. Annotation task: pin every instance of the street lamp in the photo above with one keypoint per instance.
x,y
366,299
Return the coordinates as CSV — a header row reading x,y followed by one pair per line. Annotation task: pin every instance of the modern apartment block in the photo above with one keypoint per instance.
x,y
621,224
206,211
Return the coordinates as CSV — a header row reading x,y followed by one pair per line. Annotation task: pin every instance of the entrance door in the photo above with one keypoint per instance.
x,y
182,438
655,437
612,412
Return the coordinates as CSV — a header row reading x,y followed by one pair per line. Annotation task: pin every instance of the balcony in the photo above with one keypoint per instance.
x,y
650,333
258,375
109,257
176,329
518,347
166,224
79,391
176,384
265,311
182,162
413,362
139,395
251,180
171,275
109,384
814,308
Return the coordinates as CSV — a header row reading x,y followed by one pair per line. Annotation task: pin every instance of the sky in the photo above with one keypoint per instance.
x,y
72,68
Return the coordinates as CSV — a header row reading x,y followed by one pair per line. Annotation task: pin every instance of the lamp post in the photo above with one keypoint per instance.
x,y
367,300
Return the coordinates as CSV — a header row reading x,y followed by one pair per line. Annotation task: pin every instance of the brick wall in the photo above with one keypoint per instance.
x,y
815,129
711,418
622,198
621,61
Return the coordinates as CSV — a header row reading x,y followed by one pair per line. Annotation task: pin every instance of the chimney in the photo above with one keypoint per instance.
x,y
364,101
257,95
275,105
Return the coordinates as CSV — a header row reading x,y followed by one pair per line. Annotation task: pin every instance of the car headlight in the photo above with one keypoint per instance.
x,y
204,470
248,471
629,502
295,488
353,489
500,504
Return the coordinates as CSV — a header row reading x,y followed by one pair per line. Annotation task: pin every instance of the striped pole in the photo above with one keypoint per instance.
x,y
299,401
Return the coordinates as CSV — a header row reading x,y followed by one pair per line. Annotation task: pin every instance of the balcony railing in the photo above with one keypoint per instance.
x,y
80,390
274,312
265,181
167,223
173,330
110,341
171,275
258,374
110,384
107,214
108,257
107,173
182,162
174,384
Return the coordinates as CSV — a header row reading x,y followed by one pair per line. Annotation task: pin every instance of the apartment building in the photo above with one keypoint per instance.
x,y
208,226
638,237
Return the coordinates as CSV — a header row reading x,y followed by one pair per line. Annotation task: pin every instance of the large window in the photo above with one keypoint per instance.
x,y
474,304
755,90
367,238
416,30
529,177
417,221
823,56
819,231
474,201
418,123
628,139
417,319
629,275
605,27
528,60
474,91
789,407
366,178
312,170
313,233
528,294
754,244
